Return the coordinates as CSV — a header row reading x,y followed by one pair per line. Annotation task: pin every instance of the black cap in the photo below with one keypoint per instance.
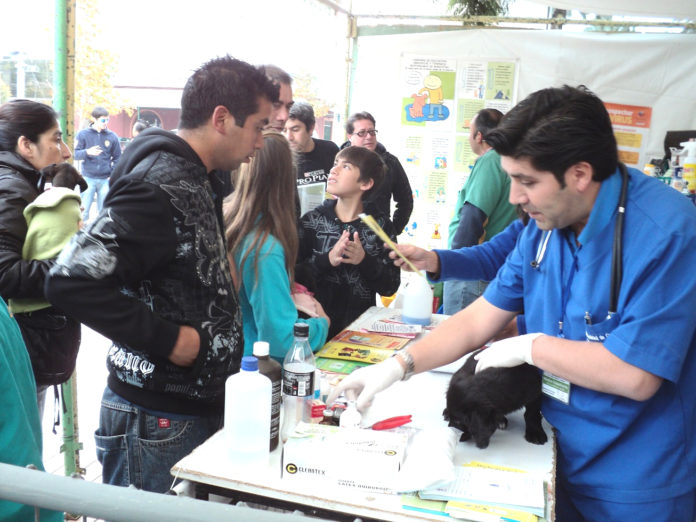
x,y
301,330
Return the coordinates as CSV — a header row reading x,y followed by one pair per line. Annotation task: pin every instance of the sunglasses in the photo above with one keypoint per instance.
x,y
103,120
363,133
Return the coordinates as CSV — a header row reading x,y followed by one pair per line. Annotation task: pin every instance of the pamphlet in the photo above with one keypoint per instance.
x,y
493,487
365,347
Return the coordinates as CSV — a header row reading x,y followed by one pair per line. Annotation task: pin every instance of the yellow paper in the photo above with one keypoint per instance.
x,y
374,226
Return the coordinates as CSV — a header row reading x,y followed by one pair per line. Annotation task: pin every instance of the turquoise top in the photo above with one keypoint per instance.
x,y
20,428
268,312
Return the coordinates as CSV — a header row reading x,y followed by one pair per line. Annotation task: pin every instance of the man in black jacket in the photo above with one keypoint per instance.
x,y
361,131
151,273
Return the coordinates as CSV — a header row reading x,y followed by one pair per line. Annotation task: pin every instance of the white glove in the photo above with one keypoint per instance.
x,y
366,382
512,351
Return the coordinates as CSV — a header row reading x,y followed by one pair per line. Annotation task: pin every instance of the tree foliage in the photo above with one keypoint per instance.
x,y
304,88
478,7
95,66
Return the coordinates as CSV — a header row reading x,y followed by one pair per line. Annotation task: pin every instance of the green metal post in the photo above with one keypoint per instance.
x,y
63,103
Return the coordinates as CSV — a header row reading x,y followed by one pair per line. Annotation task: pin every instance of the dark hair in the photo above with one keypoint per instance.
x,y
364,115
556,128
487,120
276,74
225,81
24,118
141,125
370,163
99,112
303,111
64,175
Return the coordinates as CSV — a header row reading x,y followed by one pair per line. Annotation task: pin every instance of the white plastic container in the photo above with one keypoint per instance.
x,y
418,301
248,417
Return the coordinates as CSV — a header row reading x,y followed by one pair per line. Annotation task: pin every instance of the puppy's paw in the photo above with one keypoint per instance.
x,y
535,435
502,422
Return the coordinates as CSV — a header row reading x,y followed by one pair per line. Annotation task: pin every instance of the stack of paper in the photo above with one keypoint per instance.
x,y
364,347
494,487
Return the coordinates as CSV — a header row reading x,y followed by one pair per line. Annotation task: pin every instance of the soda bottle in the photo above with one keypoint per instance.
x,y
271,369
298,381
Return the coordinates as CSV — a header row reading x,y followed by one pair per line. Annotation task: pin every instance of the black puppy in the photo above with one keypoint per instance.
x,y
478,402
64,175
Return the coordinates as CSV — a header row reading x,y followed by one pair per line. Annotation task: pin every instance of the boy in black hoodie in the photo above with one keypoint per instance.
x,y
349,262
151,274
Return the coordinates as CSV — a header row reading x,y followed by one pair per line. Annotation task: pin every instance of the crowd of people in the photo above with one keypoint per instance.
x,y
196,252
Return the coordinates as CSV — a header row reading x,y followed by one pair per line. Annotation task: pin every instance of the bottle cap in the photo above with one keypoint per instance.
x,y
250,363
261,349
301,330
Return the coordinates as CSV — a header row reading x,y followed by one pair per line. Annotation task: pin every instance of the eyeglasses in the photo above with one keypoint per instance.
x,y
103,120
363,133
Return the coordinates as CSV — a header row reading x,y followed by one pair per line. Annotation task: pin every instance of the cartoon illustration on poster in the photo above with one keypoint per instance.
x,y
431,85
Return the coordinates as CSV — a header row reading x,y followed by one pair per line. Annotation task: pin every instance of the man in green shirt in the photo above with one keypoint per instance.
x,y
482,210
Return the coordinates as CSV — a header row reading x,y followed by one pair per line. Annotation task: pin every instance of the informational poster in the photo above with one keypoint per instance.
x,y
439,98
631,126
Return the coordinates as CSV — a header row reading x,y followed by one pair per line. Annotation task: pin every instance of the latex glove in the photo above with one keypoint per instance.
x,y
366,382
509,352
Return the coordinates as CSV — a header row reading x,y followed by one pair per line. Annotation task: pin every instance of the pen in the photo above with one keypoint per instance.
x,y
588,319
392,422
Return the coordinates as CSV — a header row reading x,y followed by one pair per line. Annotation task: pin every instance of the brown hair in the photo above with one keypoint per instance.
x,y
263,202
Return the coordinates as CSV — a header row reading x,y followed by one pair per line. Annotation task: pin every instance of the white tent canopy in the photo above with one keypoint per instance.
x,y
679,9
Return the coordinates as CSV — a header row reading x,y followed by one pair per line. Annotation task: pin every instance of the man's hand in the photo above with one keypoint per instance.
x,y
187,346
509,352
421,258
368,381
94,150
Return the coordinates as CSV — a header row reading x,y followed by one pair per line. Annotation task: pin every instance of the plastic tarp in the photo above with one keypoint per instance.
x,y
679,9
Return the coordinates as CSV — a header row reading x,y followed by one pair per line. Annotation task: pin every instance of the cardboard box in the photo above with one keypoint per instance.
x,y
361,458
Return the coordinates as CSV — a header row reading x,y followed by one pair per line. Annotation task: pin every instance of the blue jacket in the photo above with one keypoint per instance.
x,y
101,166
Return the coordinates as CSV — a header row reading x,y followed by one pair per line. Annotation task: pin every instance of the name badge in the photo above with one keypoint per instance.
x,y
555,387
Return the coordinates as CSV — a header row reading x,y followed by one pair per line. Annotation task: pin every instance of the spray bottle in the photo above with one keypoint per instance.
x,y
689,170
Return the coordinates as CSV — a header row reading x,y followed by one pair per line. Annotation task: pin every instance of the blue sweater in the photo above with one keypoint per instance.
x,y
479,261
268,312
99,167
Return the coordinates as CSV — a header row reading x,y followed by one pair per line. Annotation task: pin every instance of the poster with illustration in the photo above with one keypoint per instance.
x,y
428,90
439,97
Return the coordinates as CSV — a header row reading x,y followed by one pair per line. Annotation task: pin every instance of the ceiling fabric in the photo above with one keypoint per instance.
x,y
679,9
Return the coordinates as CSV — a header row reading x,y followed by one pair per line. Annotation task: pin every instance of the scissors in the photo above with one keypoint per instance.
x,y
391,422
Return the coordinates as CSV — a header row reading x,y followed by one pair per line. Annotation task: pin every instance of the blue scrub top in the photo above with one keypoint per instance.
x,y
610,447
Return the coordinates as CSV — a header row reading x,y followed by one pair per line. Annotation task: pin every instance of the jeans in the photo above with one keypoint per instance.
x,y
457,295
139,448
98,186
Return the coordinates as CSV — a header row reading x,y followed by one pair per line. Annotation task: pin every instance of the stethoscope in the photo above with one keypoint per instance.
x,y
616,249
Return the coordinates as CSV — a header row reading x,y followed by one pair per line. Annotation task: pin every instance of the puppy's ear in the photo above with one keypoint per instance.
x,y
82,183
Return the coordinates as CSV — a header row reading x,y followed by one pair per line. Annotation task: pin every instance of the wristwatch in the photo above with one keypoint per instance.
x,y
407,358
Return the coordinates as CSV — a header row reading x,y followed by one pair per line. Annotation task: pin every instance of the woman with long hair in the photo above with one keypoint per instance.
x,y
261,232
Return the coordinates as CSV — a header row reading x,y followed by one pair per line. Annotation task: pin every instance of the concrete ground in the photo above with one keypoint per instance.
x,y
91,378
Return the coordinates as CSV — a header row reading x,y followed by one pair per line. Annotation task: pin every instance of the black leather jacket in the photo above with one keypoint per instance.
x,y
20,184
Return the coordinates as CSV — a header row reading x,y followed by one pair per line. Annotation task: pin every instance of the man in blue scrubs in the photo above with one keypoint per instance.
x,y
620,388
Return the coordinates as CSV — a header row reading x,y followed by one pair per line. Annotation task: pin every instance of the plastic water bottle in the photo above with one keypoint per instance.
x,y
271,369
248,416
298,381
418,301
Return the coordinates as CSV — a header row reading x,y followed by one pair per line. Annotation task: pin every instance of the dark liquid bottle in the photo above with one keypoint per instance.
x,y
271,369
